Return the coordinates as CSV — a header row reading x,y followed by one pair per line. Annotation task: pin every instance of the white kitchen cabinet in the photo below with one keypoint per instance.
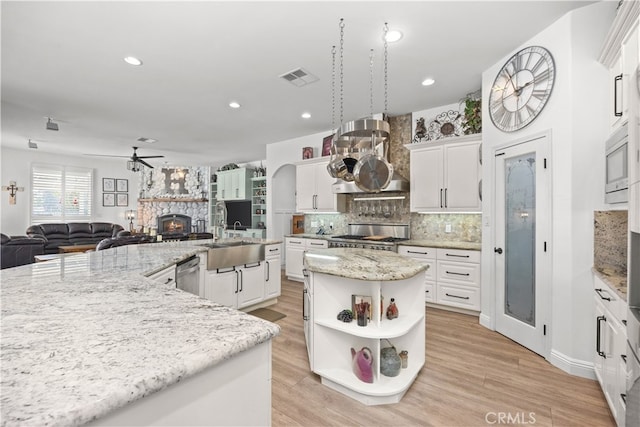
x,y
452,280
426,256
313,188
272,277
234,184
236,287
445,177
634,207
618,110
295,248
333,339
610,355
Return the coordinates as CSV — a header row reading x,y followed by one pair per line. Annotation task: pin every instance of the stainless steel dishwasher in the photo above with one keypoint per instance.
x,y
188,275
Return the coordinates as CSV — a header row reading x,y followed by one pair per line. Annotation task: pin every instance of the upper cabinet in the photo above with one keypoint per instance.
x,y
234,184
445,176
313,188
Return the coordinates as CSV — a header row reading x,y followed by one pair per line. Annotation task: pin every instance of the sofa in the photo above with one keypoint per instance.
x,y
122,239
72,233
19,250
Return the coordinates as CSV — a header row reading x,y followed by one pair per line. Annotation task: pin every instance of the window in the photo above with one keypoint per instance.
x,y
60,194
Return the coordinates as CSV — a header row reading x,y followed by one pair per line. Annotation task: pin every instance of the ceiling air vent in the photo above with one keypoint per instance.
x,y
147,140
299,77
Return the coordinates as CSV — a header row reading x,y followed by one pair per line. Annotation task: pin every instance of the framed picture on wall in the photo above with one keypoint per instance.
x,y
122,185
327,141
108,199
108,184
122,199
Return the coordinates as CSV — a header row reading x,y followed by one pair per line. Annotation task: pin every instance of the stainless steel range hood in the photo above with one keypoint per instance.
x,y
398,183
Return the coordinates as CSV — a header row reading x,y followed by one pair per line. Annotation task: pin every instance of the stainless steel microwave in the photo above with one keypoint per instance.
x,y
617,174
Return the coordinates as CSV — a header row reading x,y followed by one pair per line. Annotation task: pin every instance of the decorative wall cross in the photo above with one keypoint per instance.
x,y
13,190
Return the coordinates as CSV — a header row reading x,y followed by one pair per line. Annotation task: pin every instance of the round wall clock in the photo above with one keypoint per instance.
x,y
522,88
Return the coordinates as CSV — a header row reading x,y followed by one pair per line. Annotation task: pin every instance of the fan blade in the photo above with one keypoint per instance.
x,y
149,157
144,163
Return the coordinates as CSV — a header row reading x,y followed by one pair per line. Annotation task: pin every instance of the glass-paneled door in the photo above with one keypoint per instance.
x,y
521,251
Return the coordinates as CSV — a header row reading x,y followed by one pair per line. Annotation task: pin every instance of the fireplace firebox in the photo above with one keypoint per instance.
x,y
174,224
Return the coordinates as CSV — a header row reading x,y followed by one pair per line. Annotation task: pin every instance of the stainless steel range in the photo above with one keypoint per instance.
x,y
372,236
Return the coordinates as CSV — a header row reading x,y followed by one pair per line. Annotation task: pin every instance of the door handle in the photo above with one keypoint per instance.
x,y
616,79
598,320
268,271
498,251
441,197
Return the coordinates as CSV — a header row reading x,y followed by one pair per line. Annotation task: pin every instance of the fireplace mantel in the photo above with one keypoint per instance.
x,y
170,199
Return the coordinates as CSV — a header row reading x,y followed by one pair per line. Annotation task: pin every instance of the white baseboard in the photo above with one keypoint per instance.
x,y
486,321
572,366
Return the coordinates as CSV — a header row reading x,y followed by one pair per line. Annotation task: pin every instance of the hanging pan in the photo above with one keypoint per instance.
x,y
372,172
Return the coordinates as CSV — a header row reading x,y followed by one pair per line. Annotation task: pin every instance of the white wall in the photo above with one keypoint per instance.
x,y
15,165
576,116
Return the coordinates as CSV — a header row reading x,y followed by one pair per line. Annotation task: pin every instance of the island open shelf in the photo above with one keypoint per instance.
x,y
330,341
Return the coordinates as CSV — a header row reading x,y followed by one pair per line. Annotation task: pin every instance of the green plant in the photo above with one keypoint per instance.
x,y
472,114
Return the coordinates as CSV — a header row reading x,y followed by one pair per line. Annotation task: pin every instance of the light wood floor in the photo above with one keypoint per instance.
x,y
471,375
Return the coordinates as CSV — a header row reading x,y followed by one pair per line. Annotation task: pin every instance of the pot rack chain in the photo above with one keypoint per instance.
x,y
333,88
341,70
386,63
371,82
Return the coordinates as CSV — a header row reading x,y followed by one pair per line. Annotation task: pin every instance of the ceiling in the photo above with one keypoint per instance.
x,y
64,60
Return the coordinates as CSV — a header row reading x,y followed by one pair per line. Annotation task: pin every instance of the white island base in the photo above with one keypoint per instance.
x,y
330,340
236,392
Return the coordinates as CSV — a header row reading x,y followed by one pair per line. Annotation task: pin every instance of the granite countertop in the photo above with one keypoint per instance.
x,y
362,264
88,333
473,246
616,280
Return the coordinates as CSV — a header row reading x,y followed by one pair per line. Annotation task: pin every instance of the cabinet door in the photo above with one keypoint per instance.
x,y
224,185
598,359
427,189
617,102
222,287
251,284
272,281
325,199
293,258
166,276
462,177
305,187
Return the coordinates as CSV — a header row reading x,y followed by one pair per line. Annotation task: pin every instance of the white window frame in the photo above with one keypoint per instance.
x,y
68,179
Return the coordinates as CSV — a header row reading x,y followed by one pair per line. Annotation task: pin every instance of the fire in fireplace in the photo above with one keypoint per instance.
x,y
174,224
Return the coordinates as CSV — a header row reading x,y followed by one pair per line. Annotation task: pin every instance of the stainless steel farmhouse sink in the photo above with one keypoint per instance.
x,y
232,253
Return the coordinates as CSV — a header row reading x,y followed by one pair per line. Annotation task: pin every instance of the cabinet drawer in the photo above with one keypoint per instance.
x,y
295,242
316,243
417,252
460,272
430,292
272,250
458,296
459,255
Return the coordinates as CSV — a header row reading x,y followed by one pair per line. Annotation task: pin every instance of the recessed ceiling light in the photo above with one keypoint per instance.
x,y
234,104
132,60
393,36
428,82
306,115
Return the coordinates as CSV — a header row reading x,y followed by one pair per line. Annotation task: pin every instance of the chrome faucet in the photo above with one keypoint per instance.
x,y
234,226
220,211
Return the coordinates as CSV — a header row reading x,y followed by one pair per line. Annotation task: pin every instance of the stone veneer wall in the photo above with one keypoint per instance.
x,y
158,200
610,241
464,227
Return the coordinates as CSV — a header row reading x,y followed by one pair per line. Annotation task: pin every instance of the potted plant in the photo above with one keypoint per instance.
x,y
472,113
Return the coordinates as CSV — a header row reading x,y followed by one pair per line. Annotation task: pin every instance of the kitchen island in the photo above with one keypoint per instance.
x,y
338,277
88,338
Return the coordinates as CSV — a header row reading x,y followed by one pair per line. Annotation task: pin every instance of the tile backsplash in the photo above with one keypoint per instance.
x,y
610,241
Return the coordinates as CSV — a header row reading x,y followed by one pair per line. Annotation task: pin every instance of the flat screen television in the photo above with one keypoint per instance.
x,y
239,210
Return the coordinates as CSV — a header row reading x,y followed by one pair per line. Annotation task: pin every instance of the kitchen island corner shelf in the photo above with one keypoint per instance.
x,y
329,340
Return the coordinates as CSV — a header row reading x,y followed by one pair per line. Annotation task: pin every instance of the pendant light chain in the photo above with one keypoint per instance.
x,y
341,70
371,82
386,58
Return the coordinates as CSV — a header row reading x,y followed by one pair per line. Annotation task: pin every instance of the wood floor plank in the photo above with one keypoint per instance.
x,y
471,376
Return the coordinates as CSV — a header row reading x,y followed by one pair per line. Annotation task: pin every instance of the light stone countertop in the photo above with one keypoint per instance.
x,y
473,246
88,333
362,264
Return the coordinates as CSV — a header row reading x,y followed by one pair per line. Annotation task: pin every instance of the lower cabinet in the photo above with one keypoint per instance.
x,y
272,266
610,351
166,276
453,276
295,249
236,287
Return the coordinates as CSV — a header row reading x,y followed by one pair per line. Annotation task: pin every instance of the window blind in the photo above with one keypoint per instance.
x,y
60,194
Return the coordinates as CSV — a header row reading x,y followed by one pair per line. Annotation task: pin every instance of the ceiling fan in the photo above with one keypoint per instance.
x,y
135,162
